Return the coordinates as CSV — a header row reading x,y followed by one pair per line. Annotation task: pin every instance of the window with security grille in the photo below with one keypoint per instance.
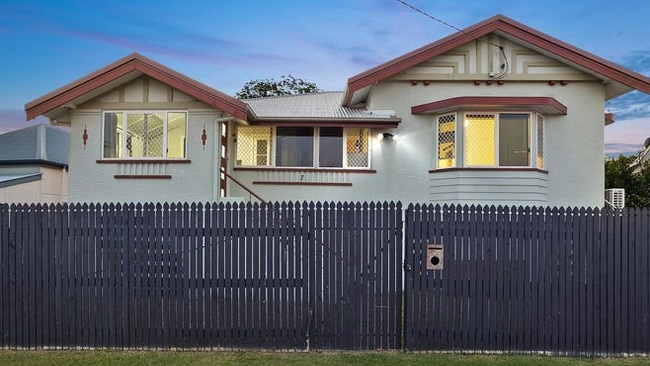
x,y
447,141
253,146
479,139
497,139
357,147
144,135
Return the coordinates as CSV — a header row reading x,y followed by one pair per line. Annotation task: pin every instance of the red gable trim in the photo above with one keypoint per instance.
x,y
124,66
544,104
508,26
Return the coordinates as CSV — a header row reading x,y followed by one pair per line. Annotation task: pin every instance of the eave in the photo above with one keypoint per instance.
x,y
546,105
328,122
123,68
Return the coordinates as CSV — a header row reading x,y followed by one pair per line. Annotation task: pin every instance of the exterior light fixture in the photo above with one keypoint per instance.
x,y
386,136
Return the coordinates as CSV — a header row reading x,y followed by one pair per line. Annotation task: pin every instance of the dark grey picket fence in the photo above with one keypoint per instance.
x,y
325,276
516,280
280,276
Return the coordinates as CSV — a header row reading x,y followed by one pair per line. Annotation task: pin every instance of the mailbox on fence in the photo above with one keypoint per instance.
x,y
434,256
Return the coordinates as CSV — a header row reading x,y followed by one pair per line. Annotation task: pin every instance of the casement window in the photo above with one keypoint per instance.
x,y
490,139
144,134
312,147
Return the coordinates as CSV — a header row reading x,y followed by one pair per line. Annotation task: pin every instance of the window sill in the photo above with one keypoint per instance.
x,y
484,169
310,170
143,161
303,183
142,176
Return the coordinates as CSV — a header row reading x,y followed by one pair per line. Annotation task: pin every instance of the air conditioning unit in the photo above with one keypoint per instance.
x,y
615,198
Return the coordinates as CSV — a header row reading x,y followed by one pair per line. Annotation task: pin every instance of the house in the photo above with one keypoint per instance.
x,y
497,113
33,165
644,156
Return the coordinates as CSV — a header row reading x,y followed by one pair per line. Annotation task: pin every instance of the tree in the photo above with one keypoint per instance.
x,y
288,85
622,173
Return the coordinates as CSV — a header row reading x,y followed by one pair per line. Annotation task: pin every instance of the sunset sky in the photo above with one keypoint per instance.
x,y
225,43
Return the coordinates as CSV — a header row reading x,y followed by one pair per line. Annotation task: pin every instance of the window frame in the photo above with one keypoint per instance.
x,y
273,145
123,136
460,139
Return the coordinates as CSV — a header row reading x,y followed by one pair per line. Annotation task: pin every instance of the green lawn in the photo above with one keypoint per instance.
x,y
252,358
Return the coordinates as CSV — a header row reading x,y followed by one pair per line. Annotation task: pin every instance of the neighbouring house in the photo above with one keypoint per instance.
x,y
34,165
497,113
644,156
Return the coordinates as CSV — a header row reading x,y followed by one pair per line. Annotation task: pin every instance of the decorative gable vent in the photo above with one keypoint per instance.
x,y
615,198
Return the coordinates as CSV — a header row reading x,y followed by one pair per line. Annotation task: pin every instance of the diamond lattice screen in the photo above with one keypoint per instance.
x,y
144,135
253,146
447,141
358,140
479,139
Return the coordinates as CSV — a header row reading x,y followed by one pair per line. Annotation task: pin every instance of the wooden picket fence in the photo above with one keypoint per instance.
x,y
325,276
517,280
277,276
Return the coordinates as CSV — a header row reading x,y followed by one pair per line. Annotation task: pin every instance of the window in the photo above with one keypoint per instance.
x,y
514,144
294,146
540,140
145,134
357,147
330,147
447,141
254,146
319,147
490,140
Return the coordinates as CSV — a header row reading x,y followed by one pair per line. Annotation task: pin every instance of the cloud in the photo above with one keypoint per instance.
x,y
627,136
624,149
638,61
634,104
629,106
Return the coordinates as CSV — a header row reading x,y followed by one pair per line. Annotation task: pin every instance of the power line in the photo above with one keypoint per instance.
x,y
505,66
428,15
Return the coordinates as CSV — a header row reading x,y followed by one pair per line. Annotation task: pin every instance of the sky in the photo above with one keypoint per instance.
x,y
225,43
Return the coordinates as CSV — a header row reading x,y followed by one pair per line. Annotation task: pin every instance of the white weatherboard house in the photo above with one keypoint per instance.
x,y
498,113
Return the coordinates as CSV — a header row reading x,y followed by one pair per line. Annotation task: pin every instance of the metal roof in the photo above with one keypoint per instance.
x,y
321,105
38,144
15,179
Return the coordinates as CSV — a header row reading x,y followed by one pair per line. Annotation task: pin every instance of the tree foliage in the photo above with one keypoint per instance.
x,y
288,85
623,173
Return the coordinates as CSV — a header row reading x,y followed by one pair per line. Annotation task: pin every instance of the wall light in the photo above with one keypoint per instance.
x,y
386,136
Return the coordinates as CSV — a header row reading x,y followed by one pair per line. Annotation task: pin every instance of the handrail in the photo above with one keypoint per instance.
x,y
242,185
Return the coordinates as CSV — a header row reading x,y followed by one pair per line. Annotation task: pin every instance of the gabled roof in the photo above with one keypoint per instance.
x,y
35,145
509,28
133,65
322,108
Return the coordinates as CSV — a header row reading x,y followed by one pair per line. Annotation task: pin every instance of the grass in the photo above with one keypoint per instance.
x,y
252,358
